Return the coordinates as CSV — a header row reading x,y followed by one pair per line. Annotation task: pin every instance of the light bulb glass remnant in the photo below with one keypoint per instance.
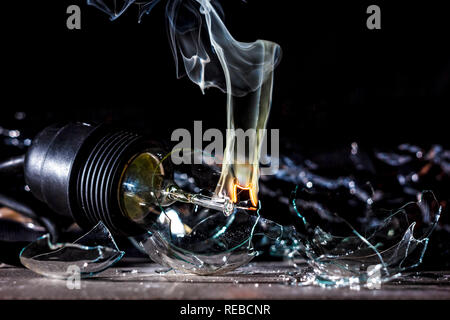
x,y
147,185
141,189
199,240
190,230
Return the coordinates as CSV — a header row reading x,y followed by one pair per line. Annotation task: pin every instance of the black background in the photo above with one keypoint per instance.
x,y
337,80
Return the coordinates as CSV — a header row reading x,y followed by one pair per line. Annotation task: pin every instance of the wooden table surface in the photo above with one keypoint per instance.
x,y
257,280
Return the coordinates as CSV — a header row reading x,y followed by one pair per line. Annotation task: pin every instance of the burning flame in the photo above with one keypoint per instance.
x,y
252,192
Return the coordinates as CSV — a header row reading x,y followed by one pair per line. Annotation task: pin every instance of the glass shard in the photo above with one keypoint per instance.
x,y
88,255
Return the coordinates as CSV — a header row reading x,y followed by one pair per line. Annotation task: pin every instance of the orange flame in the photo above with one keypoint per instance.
x,y
251,191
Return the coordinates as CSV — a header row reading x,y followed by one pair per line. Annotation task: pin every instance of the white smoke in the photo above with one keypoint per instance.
x,y
207,53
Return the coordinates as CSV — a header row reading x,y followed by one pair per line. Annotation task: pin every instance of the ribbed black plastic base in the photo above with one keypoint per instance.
x,y
99,178
76,168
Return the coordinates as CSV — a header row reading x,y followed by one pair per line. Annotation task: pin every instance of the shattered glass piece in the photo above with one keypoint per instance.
x,y
341,206
90,254
203,241
392,243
